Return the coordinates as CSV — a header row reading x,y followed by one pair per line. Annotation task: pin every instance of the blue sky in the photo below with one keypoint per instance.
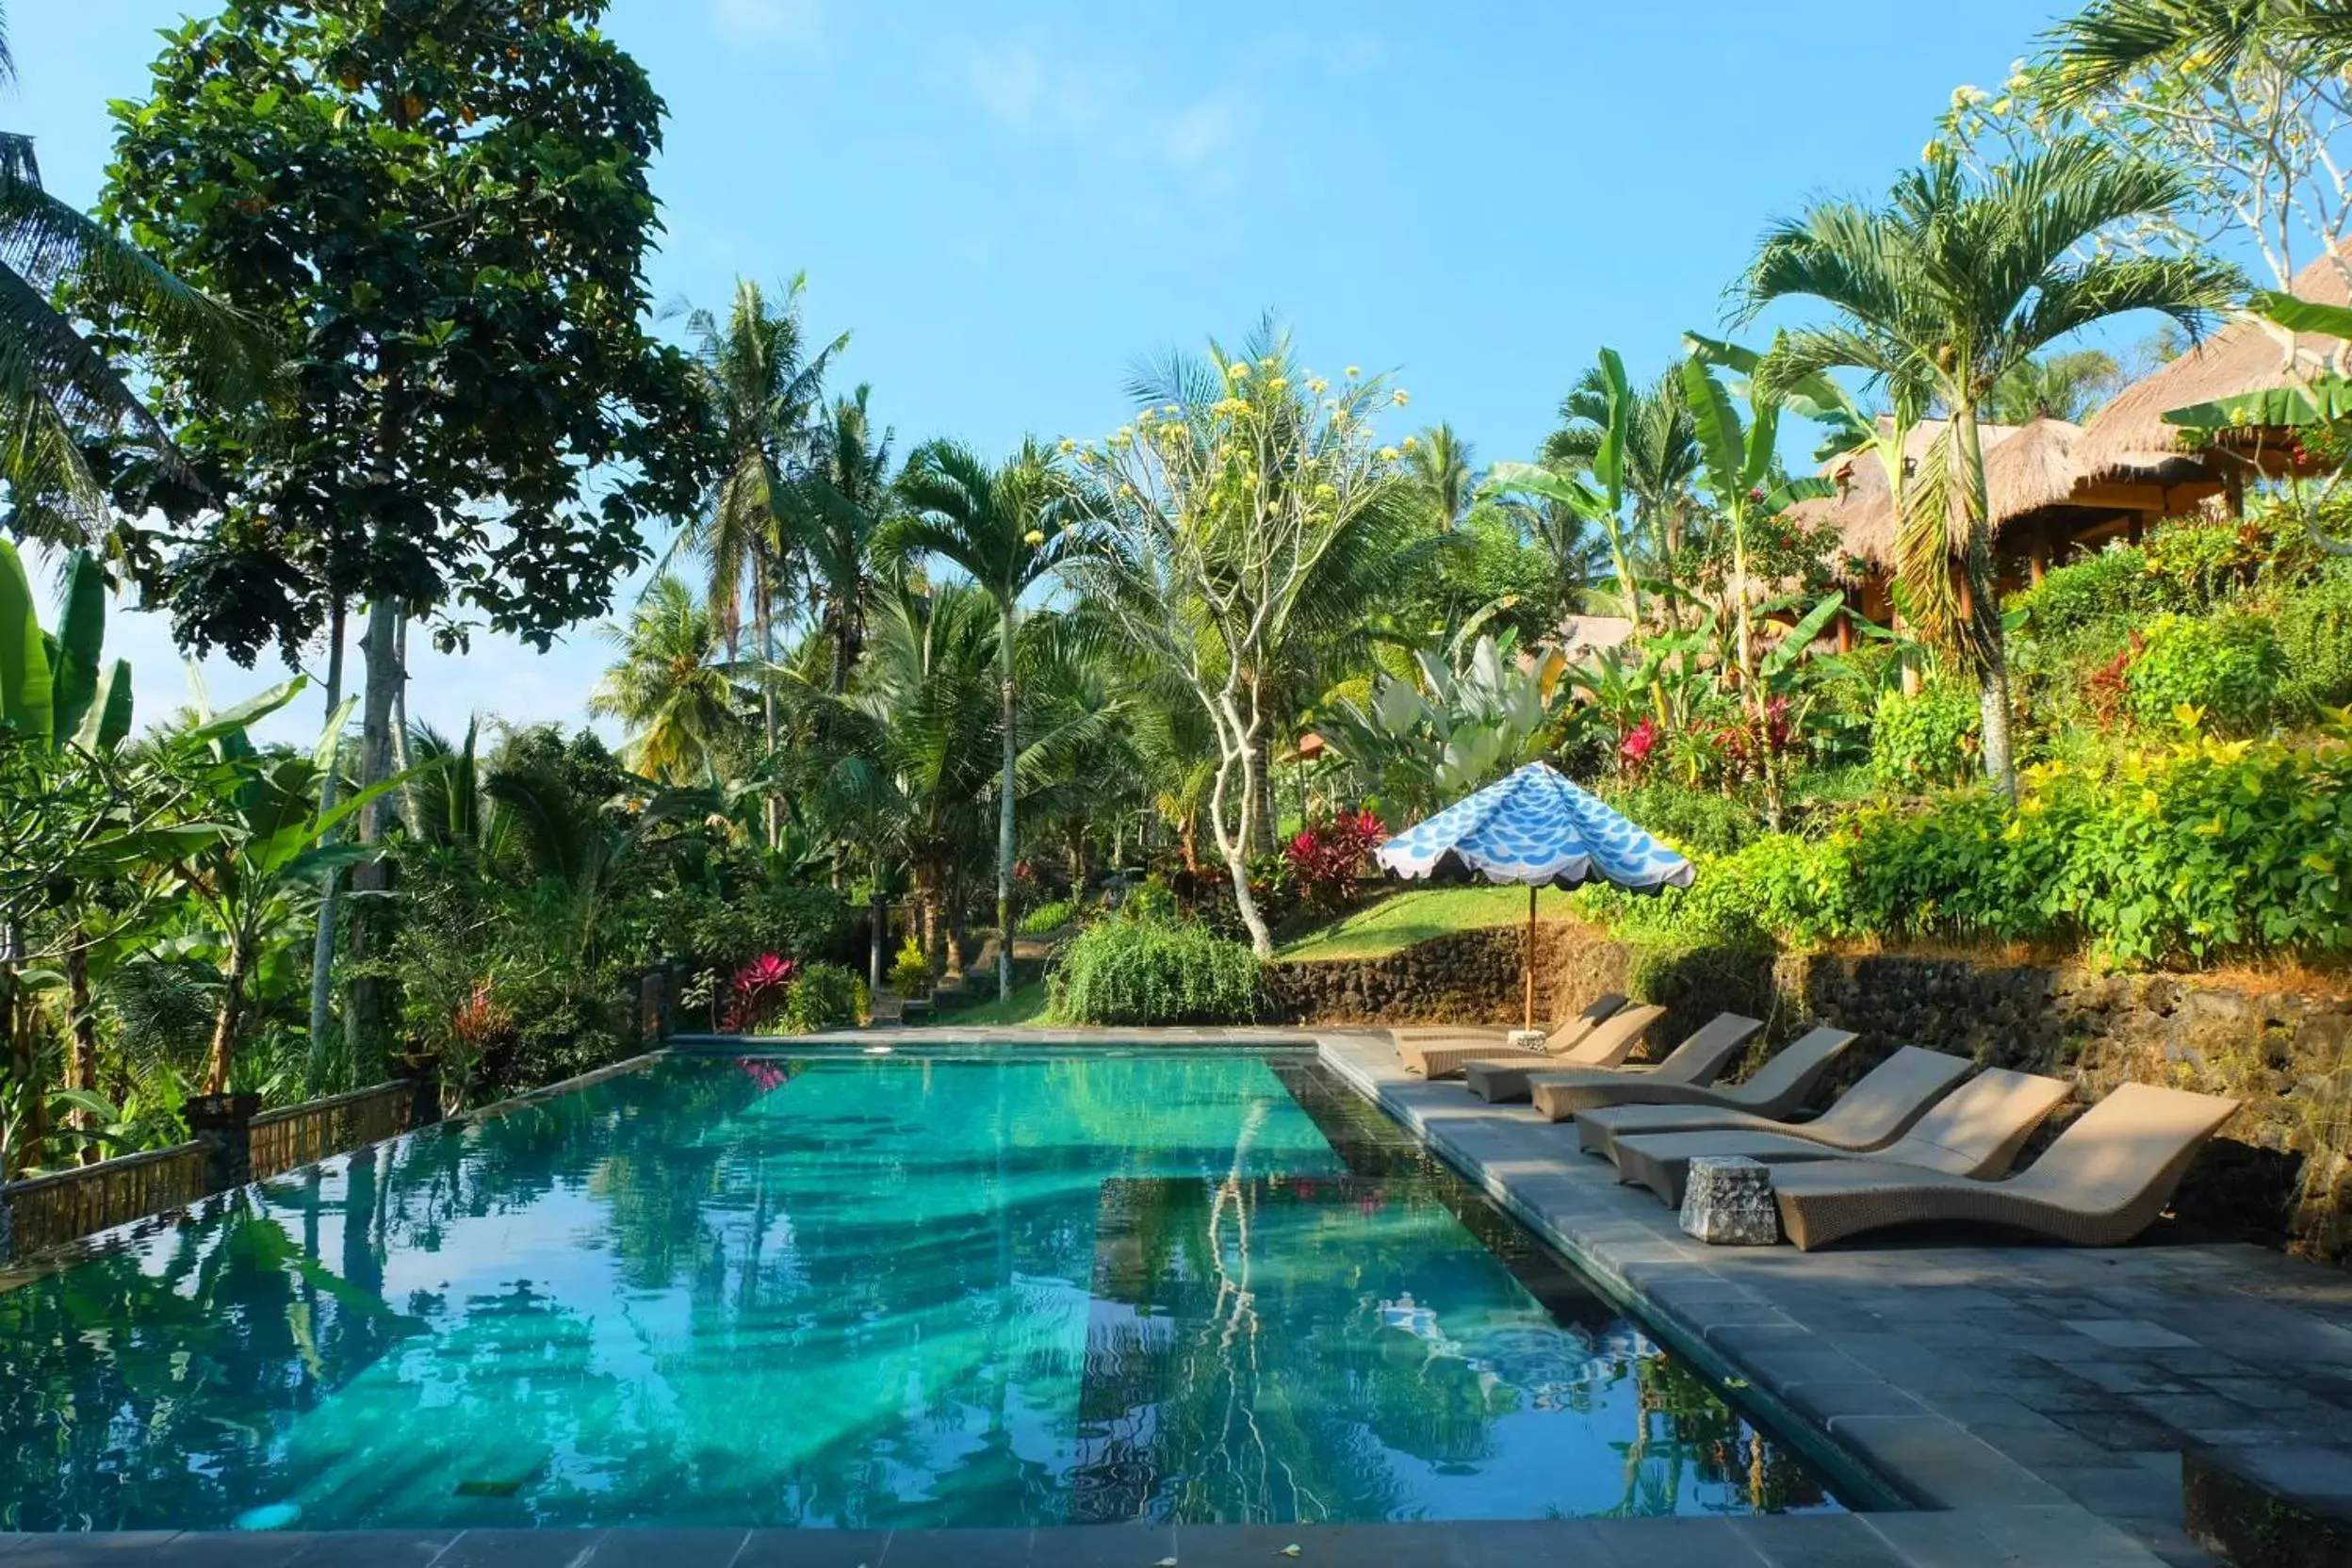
x,y
1008,205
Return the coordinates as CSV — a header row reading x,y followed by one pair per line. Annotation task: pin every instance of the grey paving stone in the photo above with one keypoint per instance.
x,y
2118,1490
236,1549
1940,1460
1843,1541
377,1549
531,1549
2129,1333
708,1549
1468,1543
990,1548
1824,1401
70,1550
1673,1543
1095,1546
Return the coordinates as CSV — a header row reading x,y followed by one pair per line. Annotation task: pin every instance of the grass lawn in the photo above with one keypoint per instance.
x,y
1025,1005
1401,920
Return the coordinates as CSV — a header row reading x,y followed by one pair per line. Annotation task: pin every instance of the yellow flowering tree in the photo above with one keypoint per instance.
x,y
1244,492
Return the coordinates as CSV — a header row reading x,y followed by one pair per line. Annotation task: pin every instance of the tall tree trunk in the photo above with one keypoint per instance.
x,y
367,1014
322,945
232,1016
411,814
1010,719
18,1016
1237,746
771,808
877,916
81,1063
1988,642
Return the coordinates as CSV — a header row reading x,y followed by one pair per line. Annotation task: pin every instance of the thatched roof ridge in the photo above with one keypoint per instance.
x,y
2243,356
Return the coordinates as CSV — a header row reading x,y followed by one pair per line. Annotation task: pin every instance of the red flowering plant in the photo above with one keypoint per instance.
x,y
1638,747
756,995
1738,740
1328,859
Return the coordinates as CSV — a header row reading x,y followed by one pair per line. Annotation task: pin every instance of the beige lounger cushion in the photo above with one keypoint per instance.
x,y
1975,1131
1696,1064
1877,1110
1505,1078
1441,1052
2103,1182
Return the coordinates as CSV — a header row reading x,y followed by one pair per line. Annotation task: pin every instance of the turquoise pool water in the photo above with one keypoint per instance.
x,y
910,1291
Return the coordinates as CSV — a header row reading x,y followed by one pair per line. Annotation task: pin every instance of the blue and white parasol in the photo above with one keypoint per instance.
x,y
1536,827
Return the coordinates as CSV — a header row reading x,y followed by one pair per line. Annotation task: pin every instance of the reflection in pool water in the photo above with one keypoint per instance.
x,y
914,1291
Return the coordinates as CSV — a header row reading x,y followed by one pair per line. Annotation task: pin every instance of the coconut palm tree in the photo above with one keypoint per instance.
x,y
59,392
672,686
1009,528
2111,40
1440,465
759,385
1951,285
1660,455
841,505
2067,386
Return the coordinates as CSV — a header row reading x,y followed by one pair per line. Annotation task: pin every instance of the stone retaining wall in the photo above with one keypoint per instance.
x,y
2280,1174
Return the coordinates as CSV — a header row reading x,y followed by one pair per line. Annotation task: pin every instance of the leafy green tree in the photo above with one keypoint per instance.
x,y
440,208
67,413
1440,464
672,685
1655,445
1953,283
1009,528
840,507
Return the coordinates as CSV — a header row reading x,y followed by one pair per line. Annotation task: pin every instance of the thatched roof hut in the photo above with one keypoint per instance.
x,y
2244,356
2041,495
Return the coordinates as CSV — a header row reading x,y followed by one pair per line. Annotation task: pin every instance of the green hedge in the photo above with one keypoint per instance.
x,y
1155,971
1047,918
2315,638
2116,584
825,996
2207,847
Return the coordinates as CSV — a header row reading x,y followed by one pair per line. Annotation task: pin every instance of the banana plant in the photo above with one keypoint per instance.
x,y
270,853
1417,745
1739,470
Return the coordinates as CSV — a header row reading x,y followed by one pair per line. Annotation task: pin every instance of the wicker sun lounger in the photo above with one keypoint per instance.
x,y
1441,1052
1975,1131
2103,1182
1696,1060
1503,1075
1877,1110
1773,1089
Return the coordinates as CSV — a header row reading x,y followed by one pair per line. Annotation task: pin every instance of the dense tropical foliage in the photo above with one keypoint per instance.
x,y
362,325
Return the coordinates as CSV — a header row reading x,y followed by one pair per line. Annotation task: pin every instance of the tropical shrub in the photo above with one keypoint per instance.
x,y
1696,822
2203,847
2115,585
910,972
1047,918
2316,639
825,996
1421,744
2228,667
1328,859
1152,972
1918,742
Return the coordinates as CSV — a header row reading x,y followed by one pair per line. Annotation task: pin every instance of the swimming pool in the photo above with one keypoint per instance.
x,y
992,1287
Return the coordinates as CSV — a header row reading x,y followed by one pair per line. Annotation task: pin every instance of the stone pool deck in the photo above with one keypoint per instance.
x,y
2036,1400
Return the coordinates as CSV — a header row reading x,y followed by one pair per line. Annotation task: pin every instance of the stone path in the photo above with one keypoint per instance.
x,y
2042,1395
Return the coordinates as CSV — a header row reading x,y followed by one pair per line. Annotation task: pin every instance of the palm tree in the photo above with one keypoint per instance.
x,y
672,685
1949,287
2067,386
1439,464
759,385
2111,40
1009,529
58,393
840,506
1660,455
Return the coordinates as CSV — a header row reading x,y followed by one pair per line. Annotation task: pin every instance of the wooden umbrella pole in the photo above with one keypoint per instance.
x,y
1527,968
